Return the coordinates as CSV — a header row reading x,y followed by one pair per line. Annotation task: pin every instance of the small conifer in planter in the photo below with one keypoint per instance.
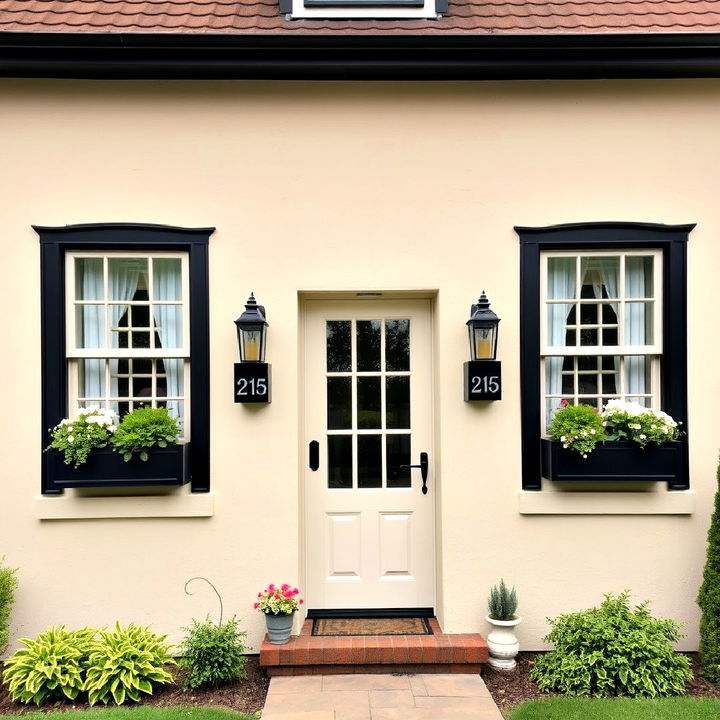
x,y
502,642
709,599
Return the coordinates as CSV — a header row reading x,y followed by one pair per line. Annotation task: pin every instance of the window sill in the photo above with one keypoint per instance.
x,y
675,502
74,507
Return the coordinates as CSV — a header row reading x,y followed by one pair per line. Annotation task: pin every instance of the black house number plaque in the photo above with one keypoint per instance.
x,y
483,380
252,383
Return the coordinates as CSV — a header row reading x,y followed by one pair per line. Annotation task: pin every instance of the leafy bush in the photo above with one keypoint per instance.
x,y
92,428
145,428
709,599
50,667
126,662
8,583
613,650
502,602
578,427
214,654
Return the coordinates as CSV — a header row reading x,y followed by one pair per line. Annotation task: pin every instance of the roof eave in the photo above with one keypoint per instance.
x,y
295,56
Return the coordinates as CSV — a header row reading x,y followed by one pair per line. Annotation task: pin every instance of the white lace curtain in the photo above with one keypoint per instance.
x,y
561,286
123,278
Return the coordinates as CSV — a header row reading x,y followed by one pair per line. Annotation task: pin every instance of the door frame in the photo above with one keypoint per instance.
x,y
304,436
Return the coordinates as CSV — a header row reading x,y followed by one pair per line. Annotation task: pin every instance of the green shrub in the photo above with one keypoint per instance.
x,y
50,667
709,599
142,429
213,654
126,662
502,602
613,650
8,583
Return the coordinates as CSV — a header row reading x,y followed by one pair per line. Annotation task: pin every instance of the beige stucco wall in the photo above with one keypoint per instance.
x,y
337,187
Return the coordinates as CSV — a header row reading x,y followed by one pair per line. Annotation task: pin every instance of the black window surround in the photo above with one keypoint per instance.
x,y
672,240
54,243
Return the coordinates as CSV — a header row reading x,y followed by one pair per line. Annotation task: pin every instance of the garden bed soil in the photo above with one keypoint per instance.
x,y
247,696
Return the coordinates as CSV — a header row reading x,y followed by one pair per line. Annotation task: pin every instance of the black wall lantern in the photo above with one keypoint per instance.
x,y
482,373
252,373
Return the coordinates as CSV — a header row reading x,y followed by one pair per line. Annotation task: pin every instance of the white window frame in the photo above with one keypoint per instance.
x,y
388,12
74,354
652,351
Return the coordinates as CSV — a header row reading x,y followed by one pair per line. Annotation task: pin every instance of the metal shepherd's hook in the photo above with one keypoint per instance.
x,y
199,577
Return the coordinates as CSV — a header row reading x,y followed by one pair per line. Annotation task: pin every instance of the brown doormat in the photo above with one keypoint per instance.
x,y
371,626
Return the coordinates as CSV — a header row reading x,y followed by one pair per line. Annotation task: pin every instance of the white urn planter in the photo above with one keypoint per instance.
x,y
503,643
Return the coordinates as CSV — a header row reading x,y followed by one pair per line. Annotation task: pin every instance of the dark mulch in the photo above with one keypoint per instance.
x,y
514,687
246,696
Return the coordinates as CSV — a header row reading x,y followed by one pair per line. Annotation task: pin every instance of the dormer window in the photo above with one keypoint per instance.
x,y
367,9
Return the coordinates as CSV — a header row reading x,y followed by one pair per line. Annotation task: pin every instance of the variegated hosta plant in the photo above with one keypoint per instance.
x,y
51,666
126,662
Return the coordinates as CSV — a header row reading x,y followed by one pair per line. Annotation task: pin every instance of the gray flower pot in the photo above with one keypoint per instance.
x,y
279,627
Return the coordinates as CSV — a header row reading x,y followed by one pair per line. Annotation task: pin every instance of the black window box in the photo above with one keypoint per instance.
x,y
618,461
106,468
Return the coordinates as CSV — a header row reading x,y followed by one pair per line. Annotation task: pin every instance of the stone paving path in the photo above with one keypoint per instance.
x,y
379,697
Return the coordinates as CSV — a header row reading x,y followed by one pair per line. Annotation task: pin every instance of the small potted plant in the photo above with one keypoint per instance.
x,y
279,604
502,641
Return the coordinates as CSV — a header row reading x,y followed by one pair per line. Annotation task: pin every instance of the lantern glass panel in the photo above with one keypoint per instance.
x,y
252,343
482,342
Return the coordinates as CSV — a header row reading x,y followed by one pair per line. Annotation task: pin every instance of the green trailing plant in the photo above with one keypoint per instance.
x,y
502,603
145,428
213,653
8,584
51,666
709,598
613,650
625,420
577,427
75,438
125,662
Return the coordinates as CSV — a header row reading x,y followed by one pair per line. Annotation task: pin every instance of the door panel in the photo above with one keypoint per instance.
x,y
369,528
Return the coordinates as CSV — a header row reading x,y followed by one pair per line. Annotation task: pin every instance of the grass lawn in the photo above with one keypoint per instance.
x,y
143,713
618,709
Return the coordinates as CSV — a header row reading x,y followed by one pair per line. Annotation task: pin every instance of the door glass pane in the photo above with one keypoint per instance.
x,y
397,399
398,453
368,345
369,461
368,403
397,345
339,403
340,461
338,346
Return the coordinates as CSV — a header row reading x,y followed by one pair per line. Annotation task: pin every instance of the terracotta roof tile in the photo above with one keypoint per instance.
x,y
464,16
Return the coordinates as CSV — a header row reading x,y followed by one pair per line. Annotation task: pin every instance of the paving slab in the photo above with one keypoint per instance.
x,y
379,697
365,682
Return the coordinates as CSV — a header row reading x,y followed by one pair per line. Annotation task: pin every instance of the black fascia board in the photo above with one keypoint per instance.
x,y
304,56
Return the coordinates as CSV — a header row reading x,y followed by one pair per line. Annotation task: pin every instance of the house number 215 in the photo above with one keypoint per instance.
x,y
257,386
485,384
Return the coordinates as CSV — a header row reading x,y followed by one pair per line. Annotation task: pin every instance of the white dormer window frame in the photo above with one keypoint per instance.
x,y
364,9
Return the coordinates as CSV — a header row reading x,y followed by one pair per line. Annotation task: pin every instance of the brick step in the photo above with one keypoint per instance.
x,y
308,654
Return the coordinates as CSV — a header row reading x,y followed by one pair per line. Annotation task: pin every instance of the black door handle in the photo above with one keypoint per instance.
x,y
423,470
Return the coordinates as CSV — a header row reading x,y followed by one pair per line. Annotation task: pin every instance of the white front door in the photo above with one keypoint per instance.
x,y
370,539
